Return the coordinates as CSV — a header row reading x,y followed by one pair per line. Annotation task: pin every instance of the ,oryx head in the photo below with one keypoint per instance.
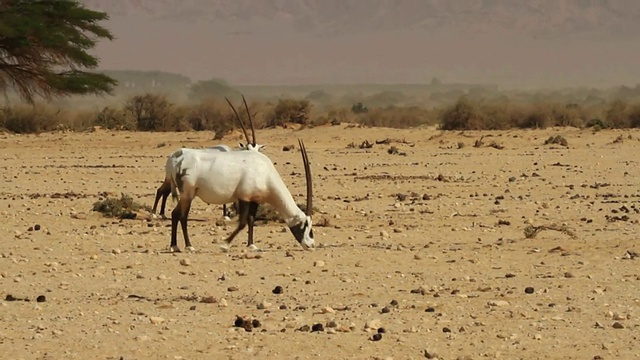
x,y
250,145
303,232
258,147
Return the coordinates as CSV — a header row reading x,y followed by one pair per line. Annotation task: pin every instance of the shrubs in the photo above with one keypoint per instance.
x,y
558,139
396,117
150,112
27,119
154,112
30,119
145,112
596,124
359,108
634,116
463,115
470,115
538,117
123,208
114,119
211,115
616,115
569,115
289,111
